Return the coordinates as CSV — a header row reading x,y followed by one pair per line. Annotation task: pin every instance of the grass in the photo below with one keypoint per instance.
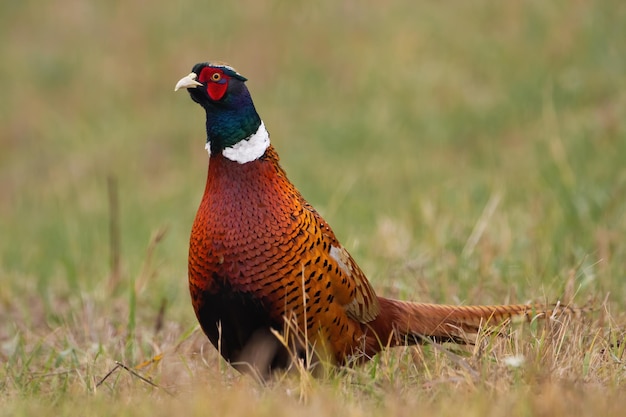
x,y
464,153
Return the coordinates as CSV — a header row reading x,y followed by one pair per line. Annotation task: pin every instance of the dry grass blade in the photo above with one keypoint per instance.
x,y
134,373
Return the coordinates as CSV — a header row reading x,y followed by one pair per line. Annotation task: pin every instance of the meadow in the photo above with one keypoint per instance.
x,y
463,152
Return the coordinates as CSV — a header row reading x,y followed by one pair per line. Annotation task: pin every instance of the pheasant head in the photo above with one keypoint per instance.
x,y
233,125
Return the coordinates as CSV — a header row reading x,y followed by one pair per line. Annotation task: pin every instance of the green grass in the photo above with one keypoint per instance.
x,y
463,152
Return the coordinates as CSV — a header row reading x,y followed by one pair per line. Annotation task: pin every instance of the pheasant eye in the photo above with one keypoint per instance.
x,y
216,76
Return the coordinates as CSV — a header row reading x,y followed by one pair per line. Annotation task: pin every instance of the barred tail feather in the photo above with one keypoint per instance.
x,y
402,322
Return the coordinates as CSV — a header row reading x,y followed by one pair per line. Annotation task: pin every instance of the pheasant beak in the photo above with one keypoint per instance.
x,y
188,81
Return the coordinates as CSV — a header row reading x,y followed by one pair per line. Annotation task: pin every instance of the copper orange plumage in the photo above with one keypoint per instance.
x,y
261,257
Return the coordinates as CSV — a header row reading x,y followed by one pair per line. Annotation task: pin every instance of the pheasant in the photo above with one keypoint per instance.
x,y
267,275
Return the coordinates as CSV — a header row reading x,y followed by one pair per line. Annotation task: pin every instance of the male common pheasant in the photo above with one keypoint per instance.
x,y
263,262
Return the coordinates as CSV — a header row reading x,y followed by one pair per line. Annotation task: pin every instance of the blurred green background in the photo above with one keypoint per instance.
x,y
466,152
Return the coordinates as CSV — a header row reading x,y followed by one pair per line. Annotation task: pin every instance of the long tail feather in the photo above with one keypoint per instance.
x,y
402,322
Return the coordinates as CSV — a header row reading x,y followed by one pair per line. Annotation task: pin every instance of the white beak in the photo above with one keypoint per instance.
x,y
188,81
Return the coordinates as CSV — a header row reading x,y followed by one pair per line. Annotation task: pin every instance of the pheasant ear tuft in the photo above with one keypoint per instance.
x,y
231,72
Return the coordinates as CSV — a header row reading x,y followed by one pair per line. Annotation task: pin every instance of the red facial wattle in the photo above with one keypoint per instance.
x,y
216,90
216,82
